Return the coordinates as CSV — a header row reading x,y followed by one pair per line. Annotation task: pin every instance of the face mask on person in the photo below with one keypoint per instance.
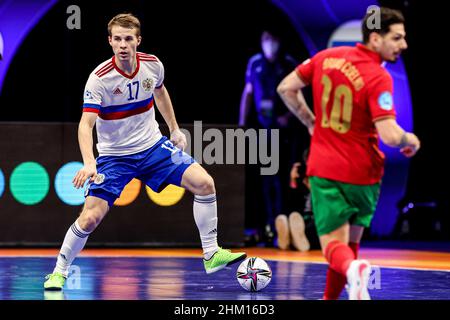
x,y
270,48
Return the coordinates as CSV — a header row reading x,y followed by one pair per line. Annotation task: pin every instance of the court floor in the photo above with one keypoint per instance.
x,y
160,274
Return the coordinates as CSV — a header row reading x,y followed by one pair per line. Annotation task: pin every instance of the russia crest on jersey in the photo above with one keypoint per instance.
x,y
147,84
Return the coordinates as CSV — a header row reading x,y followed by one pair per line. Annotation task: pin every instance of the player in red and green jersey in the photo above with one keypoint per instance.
x,y
353,106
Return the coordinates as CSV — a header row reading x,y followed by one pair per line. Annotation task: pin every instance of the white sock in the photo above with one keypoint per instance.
x,y
205,216
73,243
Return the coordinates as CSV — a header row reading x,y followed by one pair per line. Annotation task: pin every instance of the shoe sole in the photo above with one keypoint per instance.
x,y
53,289
281,225
240,258
297,229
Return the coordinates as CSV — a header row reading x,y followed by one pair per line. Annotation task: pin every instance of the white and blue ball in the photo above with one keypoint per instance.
x,y
254,274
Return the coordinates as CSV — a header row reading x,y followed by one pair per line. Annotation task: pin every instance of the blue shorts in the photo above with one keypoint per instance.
x,y
157,167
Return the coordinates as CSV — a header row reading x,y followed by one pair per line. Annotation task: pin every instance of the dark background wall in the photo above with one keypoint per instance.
x,y
140,223
427,67
204,47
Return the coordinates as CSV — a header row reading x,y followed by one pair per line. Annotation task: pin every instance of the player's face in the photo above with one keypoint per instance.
x,y
124,42
270,45
393,43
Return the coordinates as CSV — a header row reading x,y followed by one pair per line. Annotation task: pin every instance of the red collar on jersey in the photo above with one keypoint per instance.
x,y
123,73
372,54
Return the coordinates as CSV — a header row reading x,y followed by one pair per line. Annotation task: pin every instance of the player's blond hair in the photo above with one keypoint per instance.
x,y
125,20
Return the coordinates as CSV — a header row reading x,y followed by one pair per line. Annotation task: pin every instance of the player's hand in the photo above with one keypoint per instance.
x,y
294,175
88,171
306,183
412,147
178,139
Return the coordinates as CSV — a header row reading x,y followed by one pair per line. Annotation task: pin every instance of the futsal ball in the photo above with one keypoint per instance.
x,y
254,274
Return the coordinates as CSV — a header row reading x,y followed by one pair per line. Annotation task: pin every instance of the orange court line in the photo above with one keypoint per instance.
x,y
381,257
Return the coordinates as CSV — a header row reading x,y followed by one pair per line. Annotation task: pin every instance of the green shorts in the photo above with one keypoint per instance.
x,y
334,203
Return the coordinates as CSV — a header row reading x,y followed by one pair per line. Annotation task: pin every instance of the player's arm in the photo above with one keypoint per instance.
x,y
394,136
164,105
85,140
381,106
290,92
246,103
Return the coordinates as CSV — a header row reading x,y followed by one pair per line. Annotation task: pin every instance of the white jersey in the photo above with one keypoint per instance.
x,y
125,105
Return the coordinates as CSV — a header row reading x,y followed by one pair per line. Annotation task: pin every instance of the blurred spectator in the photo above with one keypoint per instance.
x,y
265,70
299,229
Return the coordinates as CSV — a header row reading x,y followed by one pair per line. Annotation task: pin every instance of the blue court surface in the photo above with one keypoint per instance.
x,y
167,278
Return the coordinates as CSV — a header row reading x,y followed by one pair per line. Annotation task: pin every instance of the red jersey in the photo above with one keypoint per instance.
x,y
351,90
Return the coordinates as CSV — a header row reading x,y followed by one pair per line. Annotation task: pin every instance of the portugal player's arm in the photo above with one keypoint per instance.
x,y
394,136
290,92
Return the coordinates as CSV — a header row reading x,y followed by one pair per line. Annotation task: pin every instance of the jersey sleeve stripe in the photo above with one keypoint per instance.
x,y
300,76
145,55
91,110
383,118
127,107
148,59
91,106
106,66
125,114
101,74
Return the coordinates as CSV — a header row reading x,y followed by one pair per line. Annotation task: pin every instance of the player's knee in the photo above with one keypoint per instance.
x,y
205,186
89,219
87,222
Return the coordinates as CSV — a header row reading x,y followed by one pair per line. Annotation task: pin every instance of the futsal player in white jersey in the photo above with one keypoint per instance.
x,y
119,99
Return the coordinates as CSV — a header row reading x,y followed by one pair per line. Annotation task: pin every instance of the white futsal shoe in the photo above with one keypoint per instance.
x,y
358,274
